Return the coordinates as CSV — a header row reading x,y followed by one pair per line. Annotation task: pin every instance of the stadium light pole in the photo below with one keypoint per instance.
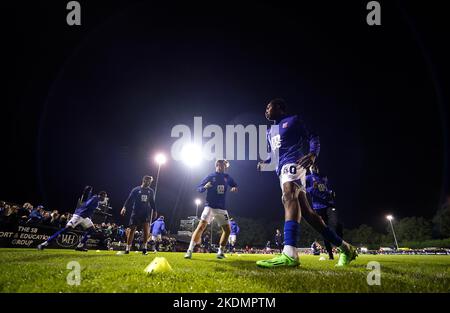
x,y
197,203
160,159
390,218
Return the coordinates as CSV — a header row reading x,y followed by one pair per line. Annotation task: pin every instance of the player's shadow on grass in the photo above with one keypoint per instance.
x,y
241,264
251,265
268,279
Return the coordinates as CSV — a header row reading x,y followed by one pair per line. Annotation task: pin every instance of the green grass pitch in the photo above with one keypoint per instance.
x,y
27,270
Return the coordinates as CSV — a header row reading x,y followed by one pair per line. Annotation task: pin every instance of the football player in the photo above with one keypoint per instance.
x,y
323,202
216,185
233,234
295,150
141,201
158,228
82,216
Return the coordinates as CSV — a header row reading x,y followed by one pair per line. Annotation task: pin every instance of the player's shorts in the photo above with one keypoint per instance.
x,y
76,220
139,218
292,172
232,239
157,238
218,215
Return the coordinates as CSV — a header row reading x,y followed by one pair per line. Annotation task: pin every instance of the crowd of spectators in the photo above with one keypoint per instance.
x,y
423,251
28,215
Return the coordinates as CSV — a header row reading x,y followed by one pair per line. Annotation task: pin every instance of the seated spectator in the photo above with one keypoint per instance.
x,y
63,220
12,216
36,215
4,213
54,218
46,218
25,211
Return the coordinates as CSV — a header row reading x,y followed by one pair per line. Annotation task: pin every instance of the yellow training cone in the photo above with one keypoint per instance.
x,y
158,265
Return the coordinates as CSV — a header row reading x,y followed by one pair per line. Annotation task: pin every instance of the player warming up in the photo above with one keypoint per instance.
x,y
322,198
157,228
294,150
216,186
233,235
141,201
82,216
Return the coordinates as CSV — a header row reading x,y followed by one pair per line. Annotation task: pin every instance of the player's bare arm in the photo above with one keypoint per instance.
x,y
307,160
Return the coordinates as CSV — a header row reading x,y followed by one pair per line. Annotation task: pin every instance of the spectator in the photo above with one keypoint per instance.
x,y
278,240
63,220
36,215
25,211
5,211
54,218
46,218
12,216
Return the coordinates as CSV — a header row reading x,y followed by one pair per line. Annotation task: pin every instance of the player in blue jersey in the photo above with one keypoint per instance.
x,y
157,228
322,199
141,201
81,216
294,149
233,234
216,185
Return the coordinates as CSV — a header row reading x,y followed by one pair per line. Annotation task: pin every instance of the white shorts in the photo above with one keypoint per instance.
x,y
76,220
157,238
292,172
232,239
218,215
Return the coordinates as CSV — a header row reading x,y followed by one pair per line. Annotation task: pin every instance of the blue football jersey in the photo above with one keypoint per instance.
x,y
86,209
215,195
234,228
140,199
290,138
322,196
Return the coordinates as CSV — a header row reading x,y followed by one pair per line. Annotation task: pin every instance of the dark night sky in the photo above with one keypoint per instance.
x,y
92,104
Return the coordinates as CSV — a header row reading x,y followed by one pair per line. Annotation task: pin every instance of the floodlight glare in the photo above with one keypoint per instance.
x,y
191,155
160,159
